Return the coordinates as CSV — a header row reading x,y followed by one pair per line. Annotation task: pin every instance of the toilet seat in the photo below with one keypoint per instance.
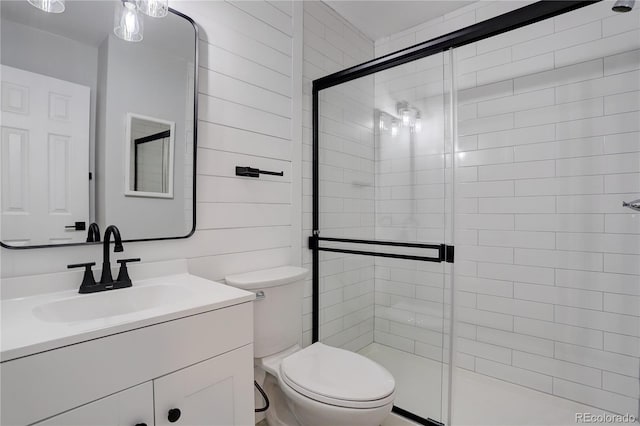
x,y
337,377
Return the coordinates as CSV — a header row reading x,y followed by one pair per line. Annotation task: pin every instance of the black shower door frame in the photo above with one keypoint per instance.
x,y
521,17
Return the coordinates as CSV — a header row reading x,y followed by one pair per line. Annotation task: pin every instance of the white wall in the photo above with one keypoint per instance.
x,y
546,258
346,183
140,79
246,97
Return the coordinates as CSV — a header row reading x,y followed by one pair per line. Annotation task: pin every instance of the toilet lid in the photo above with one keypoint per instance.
x,y
338,377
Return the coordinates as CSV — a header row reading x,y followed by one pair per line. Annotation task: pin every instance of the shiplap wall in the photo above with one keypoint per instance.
x,y
547,260
346,177
247,93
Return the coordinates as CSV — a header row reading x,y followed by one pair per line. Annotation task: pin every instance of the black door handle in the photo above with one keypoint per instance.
x,y
174,415
78,226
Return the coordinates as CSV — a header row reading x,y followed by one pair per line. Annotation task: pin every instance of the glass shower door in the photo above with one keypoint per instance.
x,y
382,204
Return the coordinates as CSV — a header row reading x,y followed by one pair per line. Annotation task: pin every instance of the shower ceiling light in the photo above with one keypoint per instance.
x,y
128,24
51,6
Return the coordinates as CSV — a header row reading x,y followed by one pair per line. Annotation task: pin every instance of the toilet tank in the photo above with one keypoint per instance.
x,y
277,310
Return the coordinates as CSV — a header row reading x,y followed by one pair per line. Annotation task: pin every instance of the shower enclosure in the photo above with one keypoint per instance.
x,y
469,232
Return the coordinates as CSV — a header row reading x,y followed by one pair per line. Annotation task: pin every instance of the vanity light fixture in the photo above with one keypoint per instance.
x,y
417,126
128,24
154,8
394,128
51,6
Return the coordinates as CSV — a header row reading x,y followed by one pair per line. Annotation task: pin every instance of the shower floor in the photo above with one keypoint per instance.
x,y
480,400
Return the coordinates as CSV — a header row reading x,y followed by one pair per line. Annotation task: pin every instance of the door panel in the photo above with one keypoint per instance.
x,y
218,391
45,158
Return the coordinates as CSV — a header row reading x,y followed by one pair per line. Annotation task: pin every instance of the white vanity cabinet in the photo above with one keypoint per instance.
x,y
131,407
200,363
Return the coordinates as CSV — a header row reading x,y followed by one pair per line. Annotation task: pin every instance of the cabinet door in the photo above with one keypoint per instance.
x,y
130,407
218,391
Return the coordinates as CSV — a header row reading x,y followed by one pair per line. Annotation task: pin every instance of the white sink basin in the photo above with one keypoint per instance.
x,y
47,321
111,303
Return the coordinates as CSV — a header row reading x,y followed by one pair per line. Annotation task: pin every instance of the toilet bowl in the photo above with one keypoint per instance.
x,y
320,385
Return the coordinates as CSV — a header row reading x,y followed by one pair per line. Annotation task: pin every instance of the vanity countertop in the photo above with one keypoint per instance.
x,y
42,322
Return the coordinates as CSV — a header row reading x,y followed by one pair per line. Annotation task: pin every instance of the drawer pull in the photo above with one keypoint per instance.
x,y
174,415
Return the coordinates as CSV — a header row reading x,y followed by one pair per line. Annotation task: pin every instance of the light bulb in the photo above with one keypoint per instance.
x,y
154,8
128,25
394,128
406,118
418,125
51,6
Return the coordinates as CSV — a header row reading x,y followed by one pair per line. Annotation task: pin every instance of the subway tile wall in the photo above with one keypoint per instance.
x,y
547,261
346,178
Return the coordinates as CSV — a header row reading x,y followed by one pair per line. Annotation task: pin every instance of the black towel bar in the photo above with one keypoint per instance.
x,y
252,172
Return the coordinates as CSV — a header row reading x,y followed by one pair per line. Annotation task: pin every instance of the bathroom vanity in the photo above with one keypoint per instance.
x,y
174,348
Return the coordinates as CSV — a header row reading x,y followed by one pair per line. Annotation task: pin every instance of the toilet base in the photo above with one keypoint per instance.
x,y
278,413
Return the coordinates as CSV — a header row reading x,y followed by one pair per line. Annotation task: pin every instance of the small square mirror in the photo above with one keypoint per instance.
x,y
149,163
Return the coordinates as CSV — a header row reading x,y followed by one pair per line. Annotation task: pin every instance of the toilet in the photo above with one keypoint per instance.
x,y
314,386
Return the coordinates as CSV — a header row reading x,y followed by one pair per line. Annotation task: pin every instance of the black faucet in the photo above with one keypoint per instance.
x,y
106,281
93,235
106,265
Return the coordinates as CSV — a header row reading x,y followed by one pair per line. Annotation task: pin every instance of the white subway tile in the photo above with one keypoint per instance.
x,y
622,62
622,223
517,205
522,239
485,254
622,183
622,102
607,361
522,308
560,149
560,259
533,169
559,332
608,85
594,12
485,189
516,341
560,222
486,124
517,137
599,48
397,342
595,397
557,186
605,321
558,295
556,77
484,156
484,286
515,69
629,386
556,368
514,103
484,350
483,61
622,263
622,142
622,304
618,123
558,40
484,221
598,281
489,319
559,113
590,204
611,243
622,344
482,93
514,375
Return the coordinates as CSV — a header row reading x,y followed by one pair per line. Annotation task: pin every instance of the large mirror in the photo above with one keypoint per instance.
x,y
96,128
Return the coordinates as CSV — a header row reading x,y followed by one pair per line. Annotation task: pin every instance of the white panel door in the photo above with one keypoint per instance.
x,y
44,155
215,392
130,407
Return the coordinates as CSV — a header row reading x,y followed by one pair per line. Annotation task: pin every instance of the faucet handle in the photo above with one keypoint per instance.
x,y
123,274
87,280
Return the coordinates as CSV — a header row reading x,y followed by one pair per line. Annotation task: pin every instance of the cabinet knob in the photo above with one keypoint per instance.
x,y
174,415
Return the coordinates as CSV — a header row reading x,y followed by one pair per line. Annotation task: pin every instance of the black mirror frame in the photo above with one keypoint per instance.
x,y
195,155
